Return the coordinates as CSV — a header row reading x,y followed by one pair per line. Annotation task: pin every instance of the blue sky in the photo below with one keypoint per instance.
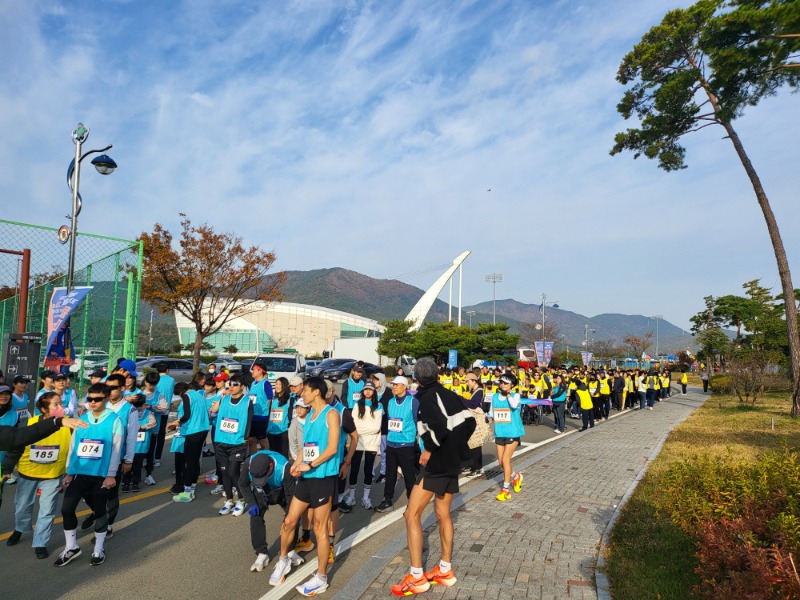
x,y
367,135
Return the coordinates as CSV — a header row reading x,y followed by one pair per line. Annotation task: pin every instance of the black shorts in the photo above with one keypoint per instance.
x,y
506,441
439,485
316,491
258,428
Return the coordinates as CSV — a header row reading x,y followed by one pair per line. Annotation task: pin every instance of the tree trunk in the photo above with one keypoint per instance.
x,y
783,266
198,344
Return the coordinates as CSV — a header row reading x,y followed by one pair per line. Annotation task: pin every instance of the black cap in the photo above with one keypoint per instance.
x,y
261,467
21,379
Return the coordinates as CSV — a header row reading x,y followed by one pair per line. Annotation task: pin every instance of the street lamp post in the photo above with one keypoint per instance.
x,y
105,165
470,314
543,306
494,279
657,318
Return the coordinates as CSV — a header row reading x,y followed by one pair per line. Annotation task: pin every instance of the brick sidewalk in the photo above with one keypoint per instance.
x,y
544,542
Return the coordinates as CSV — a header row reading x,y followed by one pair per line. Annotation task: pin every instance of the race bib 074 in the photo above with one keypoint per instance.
x,y
91,449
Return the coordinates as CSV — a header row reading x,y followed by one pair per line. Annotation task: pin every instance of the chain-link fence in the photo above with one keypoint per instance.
x,y
106,321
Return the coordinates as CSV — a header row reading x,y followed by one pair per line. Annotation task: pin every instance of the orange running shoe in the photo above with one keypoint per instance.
x,y
410,586
439,577
517,483
503,496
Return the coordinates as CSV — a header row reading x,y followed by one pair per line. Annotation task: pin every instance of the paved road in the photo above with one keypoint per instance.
x,y
174,551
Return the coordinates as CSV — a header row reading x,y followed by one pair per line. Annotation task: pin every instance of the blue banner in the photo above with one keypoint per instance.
x,y
544,353
59,351
587,358
452,359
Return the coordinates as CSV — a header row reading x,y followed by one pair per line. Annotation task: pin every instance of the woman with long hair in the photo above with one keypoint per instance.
x,y
280,413
368,417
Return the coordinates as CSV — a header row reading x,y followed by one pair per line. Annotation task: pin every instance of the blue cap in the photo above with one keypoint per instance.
x,y
129,366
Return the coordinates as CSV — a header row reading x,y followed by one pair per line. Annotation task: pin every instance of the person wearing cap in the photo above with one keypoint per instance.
x,y
48,384
508,432
19,398
261,395
41,466
351,388
318,469
401,441
266,480
69,399
368,416
280,412
444,426
165,388
234,419
304,544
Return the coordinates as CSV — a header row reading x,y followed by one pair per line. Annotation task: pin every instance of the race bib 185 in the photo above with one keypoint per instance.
x,y
44,455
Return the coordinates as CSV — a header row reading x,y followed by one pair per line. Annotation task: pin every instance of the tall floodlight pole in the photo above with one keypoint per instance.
x,y
494,279
470,314
542,307
460,281
657,318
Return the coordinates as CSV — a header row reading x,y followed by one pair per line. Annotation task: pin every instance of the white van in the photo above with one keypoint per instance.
x,y
282,365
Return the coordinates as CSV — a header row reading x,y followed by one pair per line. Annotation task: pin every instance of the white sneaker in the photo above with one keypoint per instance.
x,y
260,563
313,586
296,559
217,490
149,480
227,507
282,568
238,510
156,464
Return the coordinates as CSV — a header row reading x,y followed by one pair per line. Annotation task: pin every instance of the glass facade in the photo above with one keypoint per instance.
x,y
247,341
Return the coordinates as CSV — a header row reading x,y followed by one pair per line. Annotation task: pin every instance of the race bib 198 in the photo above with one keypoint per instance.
x,y
310,452
229,425
44,455
502,415
91,449
395,424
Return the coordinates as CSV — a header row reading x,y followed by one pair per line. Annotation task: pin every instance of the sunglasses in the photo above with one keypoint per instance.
x,y
113,387
235,384
95,398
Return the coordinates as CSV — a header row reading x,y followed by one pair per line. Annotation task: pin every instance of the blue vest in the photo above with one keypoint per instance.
x,y
275,480
231,421
122,415
166,386
278,417
177,440
260,395
315,441
507,420
9,420
354,389
92,447
209,401
143,437
342,435
402,426
198,421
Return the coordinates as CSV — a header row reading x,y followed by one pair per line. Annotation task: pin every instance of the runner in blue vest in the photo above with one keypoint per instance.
x,y
92,465
266,480
261,394
351,388
318,469
508,431
166,388
234,419
280,414
194,424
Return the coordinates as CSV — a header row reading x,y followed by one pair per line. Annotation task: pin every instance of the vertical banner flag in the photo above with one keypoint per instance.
x,y
544,353
586,357
452,359
59,351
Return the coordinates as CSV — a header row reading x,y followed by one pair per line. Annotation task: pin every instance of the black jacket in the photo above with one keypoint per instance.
x,y
445,427
12,437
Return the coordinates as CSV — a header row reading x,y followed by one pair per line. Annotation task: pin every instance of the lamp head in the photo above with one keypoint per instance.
x,y
104,164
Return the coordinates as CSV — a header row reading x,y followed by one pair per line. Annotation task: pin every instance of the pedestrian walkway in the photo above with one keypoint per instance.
x,y
544,542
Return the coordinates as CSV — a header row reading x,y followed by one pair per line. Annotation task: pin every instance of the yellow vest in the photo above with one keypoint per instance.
x,y
39,470
684,378
585,399
604,387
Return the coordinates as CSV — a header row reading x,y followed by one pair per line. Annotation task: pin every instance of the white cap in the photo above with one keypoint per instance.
x,y
400,379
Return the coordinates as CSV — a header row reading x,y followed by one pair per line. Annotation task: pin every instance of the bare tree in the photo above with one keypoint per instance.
x,y
638,345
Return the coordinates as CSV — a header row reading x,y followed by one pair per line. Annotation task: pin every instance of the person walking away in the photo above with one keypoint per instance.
x,y
684,382
166,388
586,404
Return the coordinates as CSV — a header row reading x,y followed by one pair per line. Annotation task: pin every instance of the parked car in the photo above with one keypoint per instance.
x,y
227,364
328,363
179,369
88,360
246,364
310,364
341,371
282,365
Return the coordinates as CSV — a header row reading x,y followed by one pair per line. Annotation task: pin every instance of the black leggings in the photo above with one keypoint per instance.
x,y
229,460
405,458
157,443
89,488
369,463
192,449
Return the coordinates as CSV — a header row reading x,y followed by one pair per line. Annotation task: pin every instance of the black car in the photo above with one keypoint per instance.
x,y
341,371
328,363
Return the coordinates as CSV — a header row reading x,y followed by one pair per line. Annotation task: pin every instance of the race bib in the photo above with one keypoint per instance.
x,y
502,415
44,455
23,414
310,452
253,398
229,425
395,424
178,432
356,396
141,436
91,449
276,416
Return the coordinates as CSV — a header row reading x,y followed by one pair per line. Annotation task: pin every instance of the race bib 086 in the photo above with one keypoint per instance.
x,y
229,425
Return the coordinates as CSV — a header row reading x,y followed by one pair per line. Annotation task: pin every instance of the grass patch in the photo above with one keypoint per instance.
x,y
651,557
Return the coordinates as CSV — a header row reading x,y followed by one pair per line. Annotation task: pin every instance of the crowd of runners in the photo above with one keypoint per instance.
x,y
293,443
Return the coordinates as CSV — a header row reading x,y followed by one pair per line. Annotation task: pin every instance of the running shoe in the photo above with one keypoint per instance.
x,y
503,496
384,506
216,490
517,482
304,546
125,488
149,480
183,497
439,577
238,509
260,563
97,559
313,586
40,552
367,503
282,568
227,507
67,556
410,586
212,479
331,555
296,559
344,507
135,488
156,464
